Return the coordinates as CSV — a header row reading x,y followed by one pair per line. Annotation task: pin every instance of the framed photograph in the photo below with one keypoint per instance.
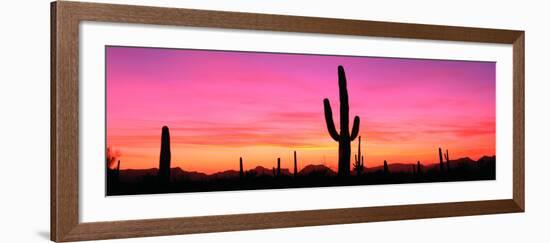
x,y
176,121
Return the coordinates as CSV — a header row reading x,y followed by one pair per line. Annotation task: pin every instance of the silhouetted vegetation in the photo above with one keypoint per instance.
x,y
144,181
358,166
440,161
278,167
447,159
295,164
165,156
344,138
241,173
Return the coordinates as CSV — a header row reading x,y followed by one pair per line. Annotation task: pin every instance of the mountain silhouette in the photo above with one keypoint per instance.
x,y
262,171
146,181
227,174
316,170
178,174
486,160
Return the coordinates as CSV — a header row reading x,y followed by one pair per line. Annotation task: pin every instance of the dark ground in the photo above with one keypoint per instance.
x,y
132,182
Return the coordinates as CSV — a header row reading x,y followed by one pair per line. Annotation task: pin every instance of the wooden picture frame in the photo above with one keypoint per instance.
x,y
65,19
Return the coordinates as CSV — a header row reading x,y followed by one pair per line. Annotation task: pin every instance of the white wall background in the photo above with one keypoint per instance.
x,y
24,123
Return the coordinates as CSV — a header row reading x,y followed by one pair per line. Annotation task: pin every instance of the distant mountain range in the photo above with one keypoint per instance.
x,y
177,174
407,167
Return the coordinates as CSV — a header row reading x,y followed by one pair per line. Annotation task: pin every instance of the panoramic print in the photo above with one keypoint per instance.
x,y
184,120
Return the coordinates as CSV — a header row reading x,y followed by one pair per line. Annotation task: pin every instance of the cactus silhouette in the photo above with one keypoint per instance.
x,y
295,165
359,160
447,159
386,168
278,167
117,172
164,163
343,138
113,178
418,169
241,172
359,168
440,161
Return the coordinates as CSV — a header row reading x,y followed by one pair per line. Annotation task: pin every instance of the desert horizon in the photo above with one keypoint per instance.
x,y
114,162
167,179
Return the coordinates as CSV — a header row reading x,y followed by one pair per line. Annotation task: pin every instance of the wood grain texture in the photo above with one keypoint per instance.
x,y
65,19
250,21
53,119
519,121
65,123
158,227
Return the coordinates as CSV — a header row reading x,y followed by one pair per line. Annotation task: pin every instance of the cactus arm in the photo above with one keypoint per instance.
x,y
355,129
330,123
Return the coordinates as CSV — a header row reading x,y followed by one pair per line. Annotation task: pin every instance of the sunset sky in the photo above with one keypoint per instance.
x,y
223,105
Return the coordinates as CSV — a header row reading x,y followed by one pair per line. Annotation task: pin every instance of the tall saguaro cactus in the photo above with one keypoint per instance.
x,y
165,156
343,138
440,161
358,166
278,167
386,168
117,170
447,159
295,164
241,172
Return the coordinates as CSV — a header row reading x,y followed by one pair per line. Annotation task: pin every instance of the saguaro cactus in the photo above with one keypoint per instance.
x,y
165,156
117,170
343,138
295,164
113,175
113,178
440,161
241,172
386,168
447,159
359,166
359,160
278,167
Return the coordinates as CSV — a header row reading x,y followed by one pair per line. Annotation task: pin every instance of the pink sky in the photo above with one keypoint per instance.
x,y
222,105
